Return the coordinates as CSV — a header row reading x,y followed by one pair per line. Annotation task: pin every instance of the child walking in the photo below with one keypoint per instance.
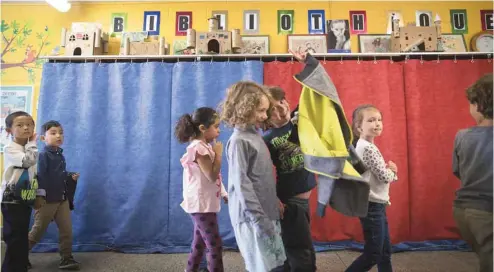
x,y
472,164
367,125
60,188
202,186
294,185
253,205
19,190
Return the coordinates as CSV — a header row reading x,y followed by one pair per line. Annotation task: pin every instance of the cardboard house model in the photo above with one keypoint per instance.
x,y
157,46
412,38
85,43
214,41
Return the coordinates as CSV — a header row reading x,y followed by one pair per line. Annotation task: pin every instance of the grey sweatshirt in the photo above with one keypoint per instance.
x,y
251,182
472,164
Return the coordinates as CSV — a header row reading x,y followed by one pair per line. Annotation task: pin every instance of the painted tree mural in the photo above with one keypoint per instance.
x,y
15,38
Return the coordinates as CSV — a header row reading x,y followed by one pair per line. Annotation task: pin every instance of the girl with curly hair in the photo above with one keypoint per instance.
x,y
253,205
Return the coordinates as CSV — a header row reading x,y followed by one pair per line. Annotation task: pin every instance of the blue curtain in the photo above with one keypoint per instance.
x,y
118,122
195,85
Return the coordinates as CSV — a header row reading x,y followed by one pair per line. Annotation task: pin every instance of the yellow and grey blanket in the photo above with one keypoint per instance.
x,y
325,139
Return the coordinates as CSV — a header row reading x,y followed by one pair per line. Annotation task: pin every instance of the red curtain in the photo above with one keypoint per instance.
x,y
423,105
381,84
436,109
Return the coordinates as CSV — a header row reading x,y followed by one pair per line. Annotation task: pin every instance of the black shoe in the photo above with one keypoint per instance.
x,y
29,265
69,263
203,270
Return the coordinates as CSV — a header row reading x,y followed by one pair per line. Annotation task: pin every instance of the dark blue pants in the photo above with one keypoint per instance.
x,y
15,232
377,248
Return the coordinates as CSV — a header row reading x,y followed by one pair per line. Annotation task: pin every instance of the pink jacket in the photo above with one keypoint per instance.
x,y
200,195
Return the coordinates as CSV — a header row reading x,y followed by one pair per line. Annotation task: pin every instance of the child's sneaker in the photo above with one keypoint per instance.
x,y
69,263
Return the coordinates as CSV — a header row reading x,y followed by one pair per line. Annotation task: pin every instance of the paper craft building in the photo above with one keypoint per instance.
x,y
215,41
412,38
90,42
154,47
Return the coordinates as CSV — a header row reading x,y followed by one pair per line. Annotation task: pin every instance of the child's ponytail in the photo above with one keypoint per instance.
x,y
185,129
355,125
188,125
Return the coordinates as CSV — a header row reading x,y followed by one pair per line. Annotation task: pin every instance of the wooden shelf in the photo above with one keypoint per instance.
x,y
271,57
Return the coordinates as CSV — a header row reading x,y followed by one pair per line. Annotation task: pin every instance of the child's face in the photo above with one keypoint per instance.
x,y
53,137
372,125
338,29
212,132
261,112
22,127
280,113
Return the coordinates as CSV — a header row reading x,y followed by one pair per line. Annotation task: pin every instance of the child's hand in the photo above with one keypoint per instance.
x,y
299,55
217,147
282,207
75,176
39,202
33,138
294,120
225,199
392,166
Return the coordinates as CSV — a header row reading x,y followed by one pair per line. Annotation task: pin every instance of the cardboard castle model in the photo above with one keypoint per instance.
x,y
416,38
214,41
90,42
157,46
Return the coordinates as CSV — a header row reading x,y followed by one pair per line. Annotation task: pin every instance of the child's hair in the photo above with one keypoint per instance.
x,y
276,93
187,126
46,126
357,119
334,22
241,101
480,93
9,121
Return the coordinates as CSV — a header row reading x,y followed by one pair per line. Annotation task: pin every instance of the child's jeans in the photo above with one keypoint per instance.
x,y
60,212
377,248
206,237
16,219
476,228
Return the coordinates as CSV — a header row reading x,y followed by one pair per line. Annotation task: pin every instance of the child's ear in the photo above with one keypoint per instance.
x,y
42,138
202,128
9,131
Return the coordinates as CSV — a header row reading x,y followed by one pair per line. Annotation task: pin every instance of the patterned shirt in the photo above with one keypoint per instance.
x,y
19,184
378,174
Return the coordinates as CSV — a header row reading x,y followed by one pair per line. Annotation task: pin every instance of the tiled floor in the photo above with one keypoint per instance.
x,y
335,261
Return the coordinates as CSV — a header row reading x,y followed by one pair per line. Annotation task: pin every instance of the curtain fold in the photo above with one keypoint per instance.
x,y
381,84
111,115
195,85
436,109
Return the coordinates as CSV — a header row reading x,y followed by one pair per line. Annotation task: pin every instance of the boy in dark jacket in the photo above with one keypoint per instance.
x,y
60,189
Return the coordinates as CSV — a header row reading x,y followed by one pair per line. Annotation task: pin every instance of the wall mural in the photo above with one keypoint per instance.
x,y
19,37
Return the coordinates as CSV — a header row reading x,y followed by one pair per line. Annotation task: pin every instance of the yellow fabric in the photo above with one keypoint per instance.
x,y
320,130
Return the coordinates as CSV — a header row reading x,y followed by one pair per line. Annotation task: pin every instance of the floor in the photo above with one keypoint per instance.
x,y
436,261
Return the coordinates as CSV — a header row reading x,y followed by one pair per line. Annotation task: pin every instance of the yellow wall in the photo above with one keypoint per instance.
x,y
41,15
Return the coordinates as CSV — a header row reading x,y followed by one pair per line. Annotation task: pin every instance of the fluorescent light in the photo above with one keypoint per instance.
x,y
60,5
